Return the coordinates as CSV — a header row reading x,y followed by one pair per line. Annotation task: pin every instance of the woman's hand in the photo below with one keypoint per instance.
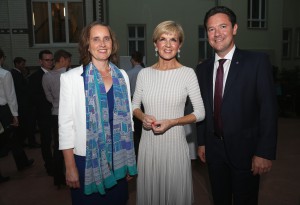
x,y
148,120
72,177
162,126
128,177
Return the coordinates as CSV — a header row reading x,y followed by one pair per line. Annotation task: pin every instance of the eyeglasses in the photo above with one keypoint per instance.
x,y
48,60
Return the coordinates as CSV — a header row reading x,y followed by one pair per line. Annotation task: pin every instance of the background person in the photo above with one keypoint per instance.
x,y
137,65
24,131
9,118
42,108
51,85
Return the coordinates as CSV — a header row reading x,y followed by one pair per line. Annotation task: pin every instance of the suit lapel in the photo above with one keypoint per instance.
x,y
210,73
235,67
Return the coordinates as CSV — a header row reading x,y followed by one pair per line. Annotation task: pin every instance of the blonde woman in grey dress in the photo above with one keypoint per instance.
x,y
164,166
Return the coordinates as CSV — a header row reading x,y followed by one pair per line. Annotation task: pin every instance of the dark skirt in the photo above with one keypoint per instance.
x,y
117,195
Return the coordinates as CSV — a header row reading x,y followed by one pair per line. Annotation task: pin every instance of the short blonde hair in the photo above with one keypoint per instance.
x,y
168,27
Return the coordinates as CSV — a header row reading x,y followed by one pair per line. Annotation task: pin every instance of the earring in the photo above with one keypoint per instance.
x,y
178,53
156,52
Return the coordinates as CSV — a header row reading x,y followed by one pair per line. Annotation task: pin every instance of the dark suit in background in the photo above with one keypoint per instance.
x,y
25,130
247,143
42,112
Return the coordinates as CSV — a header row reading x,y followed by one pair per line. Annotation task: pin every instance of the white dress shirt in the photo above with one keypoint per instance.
x,y
226,66
7,91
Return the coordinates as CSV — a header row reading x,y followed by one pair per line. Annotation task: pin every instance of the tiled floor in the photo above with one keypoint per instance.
x,y
280,187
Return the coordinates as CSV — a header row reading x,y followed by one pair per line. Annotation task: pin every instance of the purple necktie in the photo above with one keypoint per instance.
x,y
218,98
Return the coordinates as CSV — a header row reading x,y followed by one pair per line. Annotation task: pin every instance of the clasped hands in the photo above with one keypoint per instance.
x,y
158,126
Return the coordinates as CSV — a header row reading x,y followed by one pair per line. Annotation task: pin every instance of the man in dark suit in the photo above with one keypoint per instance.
x,y
238,138
24,130
42,107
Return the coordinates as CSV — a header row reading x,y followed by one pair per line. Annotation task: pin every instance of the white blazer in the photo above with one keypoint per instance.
x,y
72,111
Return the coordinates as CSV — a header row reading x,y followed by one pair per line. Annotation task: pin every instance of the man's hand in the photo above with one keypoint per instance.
x,y
15,121
260,165
201,153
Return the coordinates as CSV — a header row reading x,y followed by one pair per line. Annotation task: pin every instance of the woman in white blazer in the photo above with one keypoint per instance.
x,y
95,122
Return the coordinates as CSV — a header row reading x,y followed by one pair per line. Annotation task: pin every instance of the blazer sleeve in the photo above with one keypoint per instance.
x,y
267,141
65,117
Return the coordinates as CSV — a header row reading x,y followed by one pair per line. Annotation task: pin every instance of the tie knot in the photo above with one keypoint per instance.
x,y
221,61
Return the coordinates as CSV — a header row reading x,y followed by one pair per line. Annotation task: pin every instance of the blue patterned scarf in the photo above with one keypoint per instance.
x,y
105,166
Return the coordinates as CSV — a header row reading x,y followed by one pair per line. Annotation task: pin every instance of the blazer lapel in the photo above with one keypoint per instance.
x,y
233,71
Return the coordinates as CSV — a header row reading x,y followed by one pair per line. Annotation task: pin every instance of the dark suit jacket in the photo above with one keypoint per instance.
x,y
41,105
249,111
21,89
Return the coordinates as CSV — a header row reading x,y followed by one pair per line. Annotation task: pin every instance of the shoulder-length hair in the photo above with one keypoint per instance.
x,y
84,44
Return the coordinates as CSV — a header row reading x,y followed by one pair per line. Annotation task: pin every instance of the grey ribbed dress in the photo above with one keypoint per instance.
x,y
164,168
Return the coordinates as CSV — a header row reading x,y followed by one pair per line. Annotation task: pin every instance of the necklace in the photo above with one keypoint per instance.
x,y
106,75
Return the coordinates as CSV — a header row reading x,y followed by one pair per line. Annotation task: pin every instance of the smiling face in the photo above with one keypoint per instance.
x,y
100,43
221,33
167,45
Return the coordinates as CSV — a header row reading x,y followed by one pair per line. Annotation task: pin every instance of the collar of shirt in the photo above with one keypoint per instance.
x,y
226,66
45,70
17,70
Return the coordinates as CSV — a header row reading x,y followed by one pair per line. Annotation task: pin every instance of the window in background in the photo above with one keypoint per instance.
x,y
205,50
136,39
56,21
286,43
257,14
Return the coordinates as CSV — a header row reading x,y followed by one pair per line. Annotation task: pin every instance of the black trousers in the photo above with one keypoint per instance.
x,y
26,130
45,124
58,159
231,185
10,138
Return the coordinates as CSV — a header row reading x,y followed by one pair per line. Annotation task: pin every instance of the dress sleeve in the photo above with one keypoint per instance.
x,y
137,96
194,93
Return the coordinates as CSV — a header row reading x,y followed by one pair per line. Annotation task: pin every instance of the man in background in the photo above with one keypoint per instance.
x,y
137,65
9,119
42,108
51,86
24,131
